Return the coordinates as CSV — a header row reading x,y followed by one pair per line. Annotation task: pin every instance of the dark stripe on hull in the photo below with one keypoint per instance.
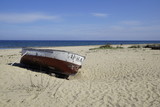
x,y
61,67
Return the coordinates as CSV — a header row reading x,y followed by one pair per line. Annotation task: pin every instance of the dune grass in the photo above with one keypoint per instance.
x,y
151,46
107,46
135,46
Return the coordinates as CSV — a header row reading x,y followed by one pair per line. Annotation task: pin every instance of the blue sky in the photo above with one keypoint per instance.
x,y
79,19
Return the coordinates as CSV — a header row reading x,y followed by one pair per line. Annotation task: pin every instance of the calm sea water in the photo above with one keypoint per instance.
x,y
46,43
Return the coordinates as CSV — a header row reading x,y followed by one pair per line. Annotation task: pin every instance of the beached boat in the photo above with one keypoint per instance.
x,y
61,62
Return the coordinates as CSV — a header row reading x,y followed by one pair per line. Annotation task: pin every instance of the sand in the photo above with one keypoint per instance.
x,y
108,78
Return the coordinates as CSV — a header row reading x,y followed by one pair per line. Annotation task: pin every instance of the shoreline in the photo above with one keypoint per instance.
x,y
9,44
78,46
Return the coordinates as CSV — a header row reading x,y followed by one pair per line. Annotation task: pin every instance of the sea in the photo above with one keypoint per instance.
x,y
9,44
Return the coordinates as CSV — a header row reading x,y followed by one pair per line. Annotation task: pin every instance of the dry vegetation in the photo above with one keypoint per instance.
x,y
107,46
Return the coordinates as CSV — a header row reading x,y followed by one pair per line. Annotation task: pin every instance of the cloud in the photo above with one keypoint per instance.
x,y
131,22
25,17
116,27
100,14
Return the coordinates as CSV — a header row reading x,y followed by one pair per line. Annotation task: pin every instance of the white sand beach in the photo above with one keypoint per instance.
x,y
125,77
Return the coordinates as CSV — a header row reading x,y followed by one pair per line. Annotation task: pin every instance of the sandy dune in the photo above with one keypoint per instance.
x,y
108,78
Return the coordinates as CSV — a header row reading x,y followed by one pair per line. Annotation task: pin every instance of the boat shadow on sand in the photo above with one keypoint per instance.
x,y
40,69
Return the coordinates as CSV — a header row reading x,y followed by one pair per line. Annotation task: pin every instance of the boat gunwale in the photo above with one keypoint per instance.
x,y
49,50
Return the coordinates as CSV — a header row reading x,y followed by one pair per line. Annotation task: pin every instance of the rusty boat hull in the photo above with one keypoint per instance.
x,y
61,62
